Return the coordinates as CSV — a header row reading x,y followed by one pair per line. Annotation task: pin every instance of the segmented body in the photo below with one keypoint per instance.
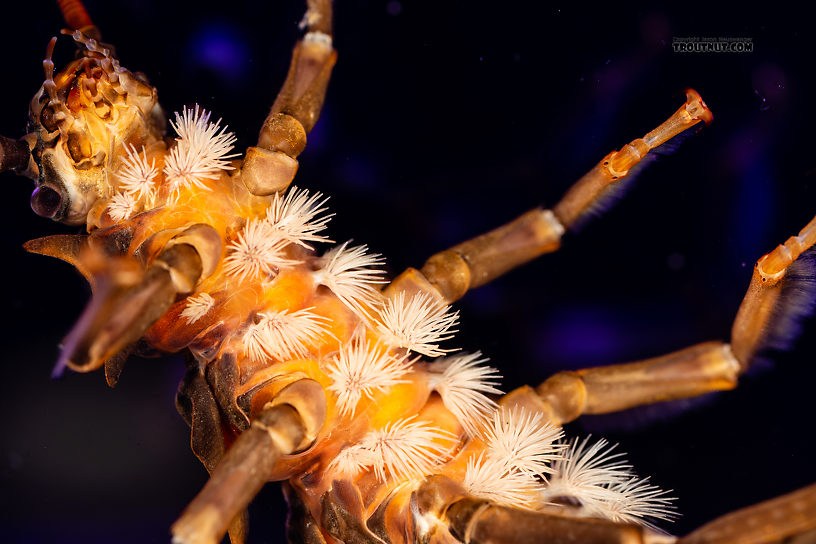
x,y
243,318
267,312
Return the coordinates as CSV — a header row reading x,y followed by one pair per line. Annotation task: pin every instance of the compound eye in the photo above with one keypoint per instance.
x,y
46,201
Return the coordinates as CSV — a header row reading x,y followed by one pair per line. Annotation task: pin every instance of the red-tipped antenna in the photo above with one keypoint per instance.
x,y
76,17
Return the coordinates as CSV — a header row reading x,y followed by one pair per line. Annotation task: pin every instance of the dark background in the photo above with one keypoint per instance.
x,y
443,120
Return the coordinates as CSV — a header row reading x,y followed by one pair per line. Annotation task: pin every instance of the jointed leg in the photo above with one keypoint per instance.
x,y
791,515
124,308
288,424
480,522
758,317
789,518
271,166
127,296
763,317
15,155
448,275
700,369
686,373
711,366
615,167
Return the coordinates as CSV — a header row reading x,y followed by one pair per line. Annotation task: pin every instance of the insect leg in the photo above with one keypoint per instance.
x,y
692,371
789,518
288,424
775,520
15,155
777,296
304,90
129,293
240,475
125,303
781,291
197,404
119,313
67,247
448,275
441,508
590,191
271,166
480,522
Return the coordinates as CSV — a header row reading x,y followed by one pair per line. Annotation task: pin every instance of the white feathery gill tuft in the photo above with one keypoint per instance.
x,y
586,471
201,150
256,249
490,478
121,206
284,335
360,369
605,487
197,307
135,175
418,324
522,440
297,216
636,501
351,460
463,383
349,274
408,448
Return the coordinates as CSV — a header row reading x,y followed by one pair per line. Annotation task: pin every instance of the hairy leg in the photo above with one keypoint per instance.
x,y
448,275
